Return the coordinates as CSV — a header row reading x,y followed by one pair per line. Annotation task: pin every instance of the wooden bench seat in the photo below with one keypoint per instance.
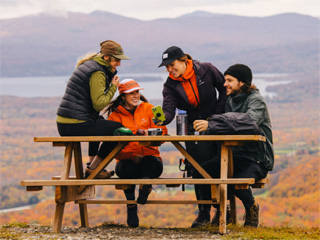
x,y
116,181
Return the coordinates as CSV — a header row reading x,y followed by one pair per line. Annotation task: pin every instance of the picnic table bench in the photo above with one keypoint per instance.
x,y
81,191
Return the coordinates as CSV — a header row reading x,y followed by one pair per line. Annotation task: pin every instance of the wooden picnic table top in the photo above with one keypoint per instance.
x,y
163,138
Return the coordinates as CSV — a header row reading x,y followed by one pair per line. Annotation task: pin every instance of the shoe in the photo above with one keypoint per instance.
x,y
202,219
102,175
216,219
132,216
252,216
144,192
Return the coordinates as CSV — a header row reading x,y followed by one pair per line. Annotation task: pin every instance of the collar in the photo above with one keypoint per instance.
x,y
188,73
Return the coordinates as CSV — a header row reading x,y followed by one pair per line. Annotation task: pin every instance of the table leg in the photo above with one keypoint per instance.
x,y
231,196
79,175
84,215
104,163
67,161
191,160
58,215
223,189
78,160
214,188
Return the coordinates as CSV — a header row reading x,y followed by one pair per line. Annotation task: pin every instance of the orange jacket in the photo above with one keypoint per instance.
x,y
142,119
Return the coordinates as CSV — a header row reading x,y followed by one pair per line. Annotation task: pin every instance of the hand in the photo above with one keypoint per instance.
x,y
200,125
115,80
156,121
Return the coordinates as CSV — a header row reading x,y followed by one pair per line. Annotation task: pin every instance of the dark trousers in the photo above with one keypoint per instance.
x,y
149,167
201,152
100,127
242,169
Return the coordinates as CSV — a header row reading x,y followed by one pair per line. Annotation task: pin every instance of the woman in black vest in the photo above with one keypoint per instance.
x,y
90,89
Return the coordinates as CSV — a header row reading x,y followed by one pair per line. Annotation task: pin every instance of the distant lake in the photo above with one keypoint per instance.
x,y
151,82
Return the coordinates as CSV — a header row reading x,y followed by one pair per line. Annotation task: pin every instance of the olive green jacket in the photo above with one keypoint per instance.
x,y
255,106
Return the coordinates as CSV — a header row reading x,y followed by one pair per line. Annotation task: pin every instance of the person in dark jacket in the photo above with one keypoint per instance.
x,y
90,89
192,86
254,159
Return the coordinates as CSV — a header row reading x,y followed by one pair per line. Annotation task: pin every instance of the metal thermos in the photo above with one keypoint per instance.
x,y
182,123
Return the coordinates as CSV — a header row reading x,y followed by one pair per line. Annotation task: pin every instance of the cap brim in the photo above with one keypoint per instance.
x,y
166,62
133,89
122,57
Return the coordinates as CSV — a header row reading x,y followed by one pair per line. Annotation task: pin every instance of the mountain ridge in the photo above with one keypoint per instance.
x,y
48,45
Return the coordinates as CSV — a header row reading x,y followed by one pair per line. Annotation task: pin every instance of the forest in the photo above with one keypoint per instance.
x,y
291,197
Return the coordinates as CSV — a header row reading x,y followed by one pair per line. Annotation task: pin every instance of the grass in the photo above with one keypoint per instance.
x,y
283,232
6,233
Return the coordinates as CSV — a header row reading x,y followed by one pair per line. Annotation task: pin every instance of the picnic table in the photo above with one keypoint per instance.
x,y
81,191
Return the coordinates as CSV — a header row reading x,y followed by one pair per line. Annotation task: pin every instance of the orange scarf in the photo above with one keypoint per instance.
x,y
189,83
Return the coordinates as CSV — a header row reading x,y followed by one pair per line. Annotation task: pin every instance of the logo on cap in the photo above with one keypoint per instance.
x,y
165,55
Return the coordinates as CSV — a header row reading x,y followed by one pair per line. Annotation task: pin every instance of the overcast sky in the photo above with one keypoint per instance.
x,y
152,9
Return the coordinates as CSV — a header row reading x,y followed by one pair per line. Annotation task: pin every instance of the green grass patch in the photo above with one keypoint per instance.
x,y
281,232
16,224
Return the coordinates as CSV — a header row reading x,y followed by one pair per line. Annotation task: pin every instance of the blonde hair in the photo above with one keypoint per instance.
x,y
90,55
86,57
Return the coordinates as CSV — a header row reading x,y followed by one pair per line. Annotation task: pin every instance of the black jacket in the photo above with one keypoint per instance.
x,y
209,80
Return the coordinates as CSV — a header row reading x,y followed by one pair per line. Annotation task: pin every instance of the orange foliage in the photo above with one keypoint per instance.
x,y
292,196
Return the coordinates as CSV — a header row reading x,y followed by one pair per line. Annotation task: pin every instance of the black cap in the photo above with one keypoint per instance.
x,y
241,72
170,55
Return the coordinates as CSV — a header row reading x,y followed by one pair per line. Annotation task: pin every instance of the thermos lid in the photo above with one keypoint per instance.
x,y
181,112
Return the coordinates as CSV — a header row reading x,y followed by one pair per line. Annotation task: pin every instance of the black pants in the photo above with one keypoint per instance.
x,y
201,152
242,169
149,167
100,127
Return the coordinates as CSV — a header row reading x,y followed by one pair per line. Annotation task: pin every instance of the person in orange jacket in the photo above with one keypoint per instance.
x,y
135,161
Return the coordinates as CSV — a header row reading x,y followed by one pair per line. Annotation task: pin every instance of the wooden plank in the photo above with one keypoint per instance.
x,y
165,138
116,181
115,201
34,188
215,193
59,144
78,160
233,143
241,186
104,163
84,215
223,188
70,193
67,161
262,181
194,163
58,215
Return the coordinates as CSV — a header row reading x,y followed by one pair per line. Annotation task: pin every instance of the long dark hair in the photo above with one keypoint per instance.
x,y
185,57
245,88
119,101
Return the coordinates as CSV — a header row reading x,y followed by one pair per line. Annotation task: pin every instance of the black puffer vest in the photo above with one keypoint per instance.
x,y
76,102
